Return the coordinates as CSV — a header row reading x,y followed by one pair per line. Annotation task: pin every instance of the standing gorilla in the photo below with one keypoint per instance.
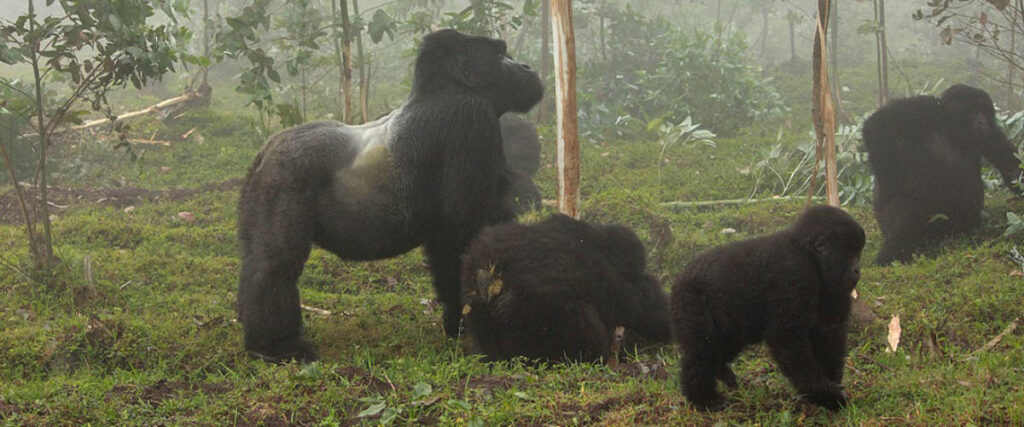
x,y
522,153
431,172
926,156
790,289
557,290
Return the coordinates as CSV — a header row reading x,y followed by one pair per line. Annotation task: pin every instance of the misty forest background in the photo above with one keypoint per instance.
x,y
118,261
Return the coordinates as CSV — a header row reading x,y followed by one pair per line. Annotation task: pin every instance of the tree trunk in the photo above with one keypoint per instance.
x,y
565,96
600,29
545,54
792,40
343,49
364,83
42,209
764,33
1011,97
824,114
882,54
837,88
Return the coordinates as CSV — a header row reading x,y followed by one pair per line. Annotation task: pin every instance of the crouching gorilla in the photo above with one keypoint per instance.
x,y
431,172
522,153
926,155
790,289
557,291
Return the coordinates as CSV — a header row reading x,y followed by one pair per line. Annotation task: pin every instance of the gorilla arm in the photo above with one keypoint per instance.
x,y
1003,155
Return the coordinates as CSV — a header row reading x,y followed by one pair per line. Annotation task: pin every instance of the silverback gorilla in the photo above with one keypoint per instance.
x,y
557,290
430,173
522,152
790,289
926,155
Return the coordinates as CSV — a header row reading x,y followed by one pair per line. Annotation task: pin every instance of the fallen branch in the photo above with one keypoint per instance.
x,y
155,108
319,311
995,341
679,205
149,142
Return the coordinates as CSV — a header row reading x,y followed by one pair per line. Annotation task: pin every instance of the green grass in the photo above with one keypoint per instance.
x,y
148,334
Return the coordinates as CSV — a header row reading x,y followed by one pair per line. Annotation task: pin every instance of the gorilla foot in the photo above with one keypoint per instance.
x,y
283,352
832,397
705,401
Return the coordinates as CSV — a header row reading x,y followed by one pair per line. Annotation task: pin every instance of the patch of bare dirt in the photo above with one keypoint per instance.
x,y
120,198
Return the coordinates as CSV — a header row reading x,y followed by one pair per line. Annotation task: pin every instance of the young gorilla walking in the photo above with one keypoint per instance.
x,y
790,289
431,172
557,290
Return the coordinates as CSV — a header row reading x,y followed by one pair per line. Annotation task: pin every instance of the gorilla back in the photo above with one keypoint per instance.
x,y
430,173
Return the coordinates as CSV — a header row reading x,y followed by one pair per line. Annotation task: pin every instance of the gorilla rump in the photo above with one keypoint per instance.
x,y
790,289
926,155
430,173
557,290
522,152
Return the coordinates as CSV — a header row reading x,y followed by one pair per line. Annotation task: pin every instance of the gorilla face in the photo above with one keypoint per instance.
x,y
970,111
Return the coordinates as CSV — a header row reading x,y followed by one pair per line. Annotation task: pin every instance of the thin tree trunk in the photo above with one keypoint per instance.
x,y
343,49
1011,98
565,96
364,83
824,115
881,54
26,214
545,53
42,211
600,29
792,40
764,33
837,87
346,50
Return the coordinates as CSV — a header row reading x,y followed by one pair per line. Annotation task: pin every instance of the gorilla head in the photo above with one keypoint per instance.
x,y
430,173
448,58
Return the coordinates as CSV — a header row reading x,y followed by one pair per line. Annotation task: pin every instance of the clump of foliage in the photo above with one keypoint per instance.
x,y
660,72
788,172
76,56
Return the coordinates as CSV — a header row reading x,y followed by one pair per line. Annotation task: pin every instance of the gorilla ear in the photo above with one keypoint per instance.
x,y
821,244
458,70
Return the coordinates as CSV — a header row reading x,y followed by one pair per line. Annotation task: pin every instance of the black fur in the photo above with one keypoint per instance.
x,y
557,290
522,153
430,173
790,289
926,155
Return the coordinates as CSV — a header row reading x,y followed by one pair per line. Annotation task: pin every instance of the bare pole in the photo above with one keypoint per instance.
x,y
565,105
545,54
824,113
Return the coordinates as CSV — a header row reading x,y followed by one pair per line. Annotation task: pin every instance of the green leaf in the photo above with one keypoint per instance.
x,y
372,410
421,390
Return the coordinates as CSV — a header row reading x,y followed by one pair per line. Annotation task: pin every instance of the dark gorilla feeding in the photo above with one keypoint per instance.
x,y
557,290
926,155
522,153
432,172
790,289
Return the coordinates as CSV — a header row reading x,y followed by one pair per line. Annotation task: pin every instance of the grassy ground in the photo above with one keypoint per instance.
x,y
139,327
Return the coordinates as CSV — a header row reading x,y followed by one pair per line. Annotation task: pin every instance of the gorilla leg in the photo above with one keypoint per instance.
x,y
586,329
829,345
275,249
527,195
904,225
445,267
703,363
792,350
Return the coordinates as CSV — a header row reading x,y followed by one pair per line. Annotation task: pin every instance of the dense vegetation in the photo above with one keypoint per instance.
x,y
136,324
